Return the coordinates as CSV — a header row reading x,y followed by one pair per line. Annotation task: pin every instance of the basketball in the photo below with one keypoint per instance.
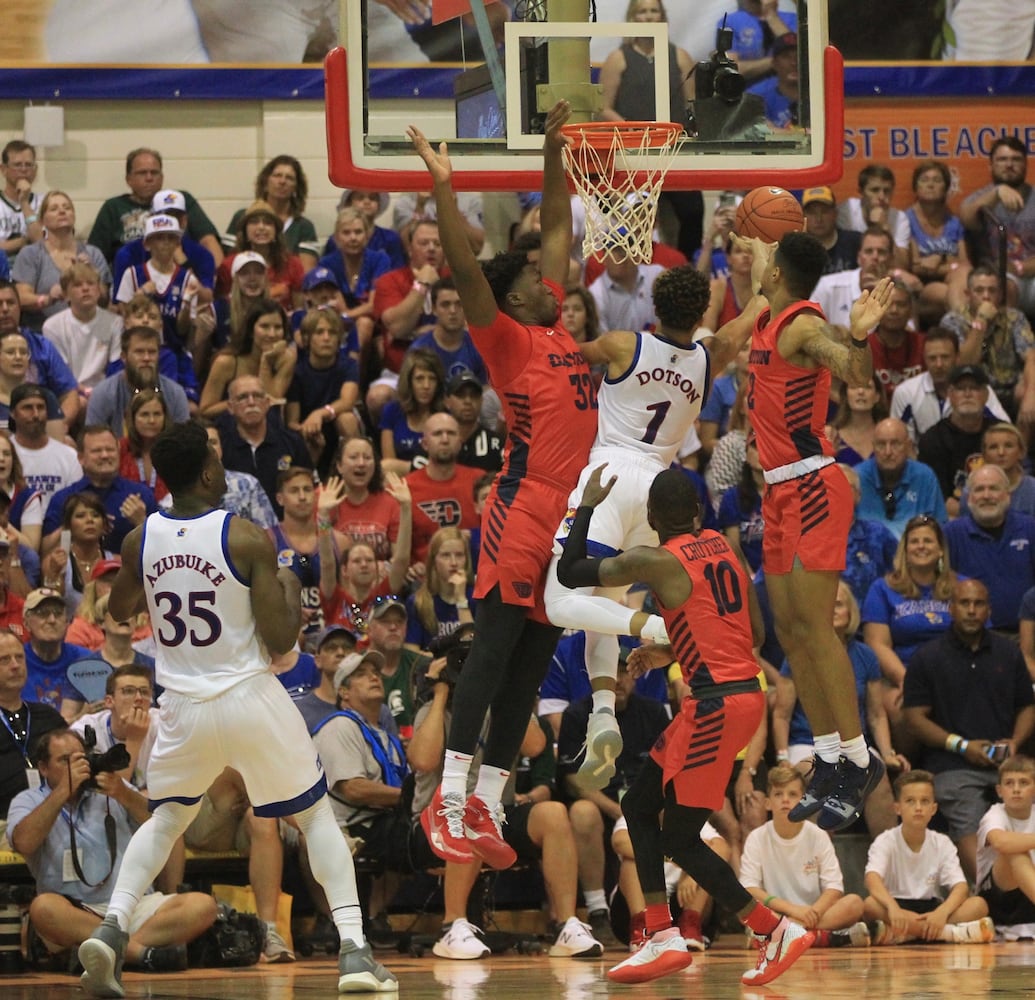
x,y
768,213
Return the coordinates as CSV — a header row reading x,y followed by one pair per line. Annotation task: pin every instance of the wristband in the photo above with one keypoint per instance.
x,y
768,900
30,219
783,755
864,343
323,525
418,286
463,605
952,742
330,410
962,749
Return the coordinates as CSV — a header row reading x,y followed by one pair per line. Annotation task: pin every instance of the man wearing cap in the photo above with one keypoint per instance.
x,y
48,656
449,338
46,366
780,92
999,338
126,502
921,401
841,245
141,347
480,448
443,491
121,219
333,645
386,633
952,447
191,253
995,545
47,464
86,336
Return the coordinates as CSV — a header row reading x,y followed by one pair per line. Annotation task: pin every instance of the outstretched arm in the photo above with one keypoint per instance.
x,y
555,210
479,303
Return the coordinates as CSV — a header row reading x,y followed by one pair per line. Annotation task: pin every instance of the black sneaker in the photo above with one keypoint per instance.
x,y
600,922
822,781
845,802
171,958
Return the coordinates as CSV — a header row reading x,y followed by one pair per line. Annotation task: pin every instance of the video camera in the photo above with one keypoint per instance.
x,y
115,758
719,76
454,647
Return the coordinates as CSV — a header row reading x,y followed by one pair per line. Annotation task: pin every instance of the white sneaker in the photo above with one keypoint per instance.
x,y
778,951
275,949
576,941
660,955
461,940
655,630
970,932
603,746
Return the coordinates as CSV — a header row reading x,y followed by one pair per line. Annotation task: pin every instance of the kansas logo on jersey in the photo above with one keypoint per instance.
x,y
181,532
285,557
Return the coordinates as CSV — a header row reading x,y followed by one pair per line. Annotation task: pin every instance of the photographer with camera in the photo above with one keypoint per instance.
x,y
536,828
73,830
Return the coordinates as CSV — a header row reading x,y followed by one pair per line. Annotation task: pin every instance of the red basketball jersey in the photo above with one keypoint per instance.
x,y
549,401
711,633
788,403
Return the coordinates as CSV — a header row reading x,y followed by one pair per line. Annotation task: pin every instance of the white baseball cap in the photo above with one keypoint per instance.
x,y
168,200
161,223
246,257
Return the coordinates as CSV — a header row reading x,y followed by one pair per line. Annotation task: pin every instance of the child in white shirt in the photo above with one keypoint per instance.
x,y
914,877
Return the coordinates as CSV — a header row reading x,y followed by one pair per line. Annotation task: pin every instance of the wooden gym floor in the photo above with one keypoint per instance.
x,y
960,972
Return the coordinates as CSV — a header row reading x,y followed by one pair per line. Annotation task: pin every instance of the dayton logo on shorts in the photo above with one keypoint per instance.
x,y
445,512
522,589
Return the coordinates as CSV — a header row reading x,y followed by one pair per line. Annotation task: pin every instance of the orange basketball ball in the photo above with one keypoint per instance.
x,y
768,213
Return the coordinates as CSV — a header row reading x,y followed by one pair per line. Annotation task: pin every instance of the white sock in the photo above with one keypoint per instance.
x,y
856,751
604,700
828,747
331,862
491,782
595,899
146,854
455,770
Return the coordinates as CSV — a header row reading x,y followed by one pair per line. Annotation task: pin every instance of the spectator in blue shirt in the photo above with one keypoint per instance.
x,y
779,93
449,338
756,25
48,656
893,487
995,544
126,502
871,547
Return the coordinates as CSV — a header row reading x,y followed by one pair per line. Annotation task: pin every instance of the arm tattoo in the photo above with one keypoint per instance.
x,y
851,364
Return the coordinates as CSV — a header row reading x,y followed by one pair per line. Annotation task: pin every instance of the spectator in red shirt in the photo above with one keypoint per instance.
x,y
898,350
261,231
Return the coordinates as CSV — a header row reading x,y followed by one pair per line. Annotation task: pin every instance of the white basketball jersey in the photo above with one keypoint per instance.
x,y
201,611
651,406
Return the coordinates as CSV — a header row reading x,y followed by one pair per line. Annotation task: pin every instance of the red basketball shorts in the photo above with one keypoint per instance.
x,y
517,545
697,750
807,519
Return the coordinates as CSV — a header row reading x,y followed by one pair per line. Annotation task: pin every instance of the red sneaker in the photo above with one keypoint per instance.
x,y
778,951
660,955
443,824
485,834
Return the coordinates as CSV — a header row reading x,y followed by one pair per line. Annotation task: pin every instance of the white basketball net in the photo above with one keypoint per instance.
x,y
619,187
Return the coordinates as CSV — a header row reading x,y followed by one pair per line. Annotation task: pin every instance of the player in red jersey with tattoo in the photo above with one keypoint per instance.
x,y
549,404
708,604
807,506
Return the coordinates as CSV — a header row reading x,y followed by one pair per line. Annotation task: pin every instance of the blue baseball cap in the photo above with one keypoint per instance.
x,y
319,276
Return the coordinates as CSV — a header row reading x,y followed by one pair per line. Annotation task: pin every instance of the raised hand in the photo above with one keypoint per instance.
x,y
438,164
596,492
868,310
331,495
397,488
557,116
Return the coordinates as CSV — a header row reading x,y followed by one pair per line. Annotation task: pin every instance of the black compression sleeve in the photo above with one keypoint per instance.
x,y
575,569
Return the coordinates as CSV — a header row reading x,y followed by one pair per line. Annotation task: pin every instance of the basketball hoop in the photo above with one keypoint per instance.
x,y
617,169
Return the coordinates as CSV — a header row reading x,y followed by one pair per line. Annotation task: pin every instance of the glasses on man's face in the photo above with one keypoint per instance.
x,y
132,692
48,612
890,504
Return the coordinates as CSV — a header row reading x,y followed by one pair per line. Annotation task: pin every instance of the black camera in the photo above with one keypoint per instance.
x,y
454,647
719,76
115,758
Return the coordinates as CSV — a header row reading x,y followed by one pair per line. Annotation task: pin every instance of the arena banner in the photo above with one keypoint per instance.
x,y
902,133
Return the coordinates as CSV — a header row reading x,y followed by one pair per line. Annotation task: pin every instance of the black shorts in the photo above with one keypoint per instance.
x,y
1007,907
919,905
515,831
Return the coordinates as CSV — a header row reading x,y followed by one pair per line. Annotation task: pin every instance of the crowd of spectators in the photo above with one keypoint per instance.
x,y
355,420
